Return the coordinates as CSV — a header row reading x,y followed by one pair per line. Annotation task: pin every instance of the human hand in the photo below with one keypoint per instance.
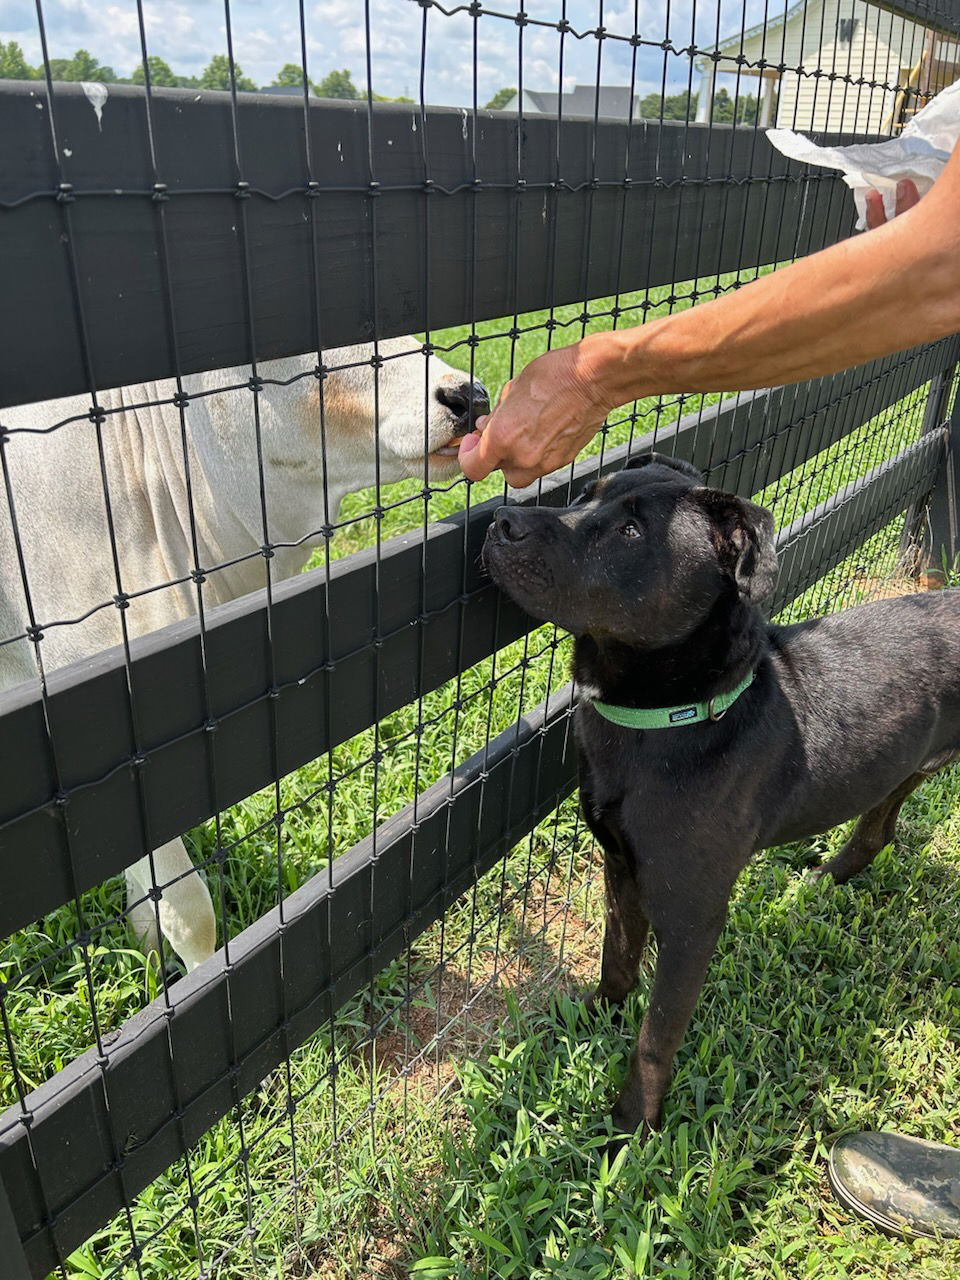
x,y
907,197
542,420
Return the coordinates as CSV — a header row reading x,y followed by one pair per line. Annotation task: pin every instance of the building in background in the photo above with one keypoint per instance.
x,y
614,102
863,47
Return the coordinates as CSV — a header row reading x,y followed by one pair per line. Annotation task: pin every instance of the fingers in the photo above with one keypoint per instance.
x,y
477,458
875,214
907,195
520,477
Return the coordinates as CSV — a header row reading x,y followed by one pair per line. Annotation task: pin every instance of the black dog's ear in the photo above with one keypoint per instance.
x,y
743,536
663,460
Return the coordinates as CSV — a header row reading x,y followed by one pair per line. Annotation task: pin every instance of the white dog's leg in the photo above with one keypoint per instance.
x,y
186,912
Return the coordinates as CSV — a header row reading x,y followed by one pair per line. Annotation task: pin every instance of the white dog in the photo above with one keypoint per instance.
x,y
414,410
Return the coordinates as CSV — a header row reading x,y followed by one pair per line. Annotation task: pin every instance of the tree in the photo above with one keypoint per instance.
x,y
290,75
82,66
160,74
683,106
338,84
500,99
217,75
13,65
723,108
678,106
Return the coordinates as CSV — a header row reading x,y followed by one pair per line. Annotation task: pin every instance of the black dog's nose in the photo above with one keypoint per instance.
x,y
509,524
467,400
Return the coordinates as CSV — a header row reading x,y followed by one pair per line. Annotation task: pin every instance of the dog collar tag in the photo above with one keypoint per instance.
x,y
685,713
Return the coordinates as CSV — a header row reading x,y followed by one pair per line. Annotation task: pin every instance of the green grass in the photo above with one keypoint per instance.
x,y
826,1009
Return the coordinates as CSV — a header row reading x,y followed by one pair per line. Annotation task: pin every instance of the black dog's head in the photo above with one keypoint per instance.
x,y
642,556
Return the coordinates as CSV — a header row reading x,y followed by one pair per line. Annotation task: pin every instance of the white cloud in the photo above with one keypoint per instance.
x,y
186,33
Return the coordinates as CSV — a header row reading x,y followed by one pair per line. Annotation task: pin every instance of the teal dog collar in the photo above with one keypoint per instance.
x,y
669,717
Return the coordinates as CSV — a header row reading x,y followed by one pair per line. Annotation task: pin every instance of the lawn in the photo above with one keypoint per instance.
x,y
450,1122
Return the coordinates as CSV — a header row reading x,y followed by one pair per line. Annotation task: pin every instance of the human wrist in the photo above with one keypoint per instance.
x,y
621,364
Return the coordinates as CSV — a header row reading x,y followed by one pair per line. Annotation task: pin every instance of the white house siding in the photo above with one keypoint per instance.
x,y
882,45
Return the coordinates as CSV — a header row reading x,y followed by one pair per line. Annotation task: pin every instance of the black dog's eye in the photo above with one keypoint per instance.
x,y
629,530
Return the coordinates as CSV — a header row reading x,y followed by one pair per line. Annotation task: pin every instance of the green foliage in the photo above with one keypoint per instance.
x,y
290,75
677,106
500,99
683,106
160,74
723,107
13,65
82,66
217,75
338,84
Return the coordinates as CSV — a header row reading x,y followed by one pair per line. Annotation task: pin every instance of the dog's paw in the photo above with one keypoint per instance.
x,y
591,1000
595,1000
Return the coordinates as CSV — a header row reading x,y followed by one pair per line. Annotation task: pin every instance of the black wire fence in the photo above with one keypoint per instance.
x,y
372,759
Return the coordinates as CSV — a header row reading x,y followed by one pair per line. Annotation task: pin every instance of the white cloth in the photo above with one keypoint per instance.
x,y
919,152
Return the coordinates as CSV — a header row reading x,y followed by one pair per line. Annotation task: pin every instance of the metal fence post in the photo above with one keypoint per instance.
x,y
14,1259
931,541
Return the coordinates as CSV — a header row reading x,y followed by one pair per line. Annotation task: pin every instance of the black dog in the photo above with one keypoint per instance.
x,y
764,734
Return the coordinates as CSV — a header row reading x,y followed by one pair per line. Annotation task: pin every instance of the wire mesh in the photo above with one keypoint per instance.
x,y
126,510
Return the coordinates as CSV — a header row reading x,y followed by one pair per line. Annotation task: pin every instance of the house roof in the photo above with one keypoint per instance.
x,y
583,100
769,24
941,16
545,102
936,15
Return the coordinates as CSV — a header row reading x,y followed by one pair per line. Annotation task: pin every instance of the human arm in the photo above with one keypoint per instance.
x,y
863,298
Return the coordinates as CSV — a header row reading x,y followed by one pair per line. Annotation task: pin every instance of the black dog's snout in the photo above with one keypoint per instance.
x,y
467,400
510,524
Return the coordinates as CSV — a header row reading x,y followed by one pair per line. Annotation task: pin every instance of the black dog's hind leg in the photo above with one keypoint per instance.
x,y
874,831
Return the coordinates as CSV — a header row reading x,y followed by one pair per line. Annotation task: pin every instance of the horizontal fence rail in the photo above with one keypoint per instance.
x,y
343,653
524,213
225,1028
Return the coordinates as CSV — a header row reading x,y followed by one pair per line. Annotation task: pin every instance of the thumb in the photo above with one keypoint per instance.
x,y
477,458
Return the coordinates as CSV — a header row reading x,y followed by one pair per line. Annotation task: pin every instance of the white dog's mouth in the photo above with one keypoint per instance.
x,y
451,450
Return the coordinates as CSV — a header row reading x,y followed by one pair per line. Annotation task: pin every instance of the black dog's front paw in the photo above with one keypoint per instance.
x,y
627,1115
596,998
592,999
628,1126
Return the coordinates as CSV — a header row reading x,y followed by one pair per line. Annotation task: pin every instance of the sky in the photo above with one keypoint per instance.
x,y
266,34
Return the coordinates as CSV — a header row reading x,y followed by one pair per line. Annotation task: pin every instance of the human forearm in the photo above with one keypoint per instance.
x,y
895,287
858,300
